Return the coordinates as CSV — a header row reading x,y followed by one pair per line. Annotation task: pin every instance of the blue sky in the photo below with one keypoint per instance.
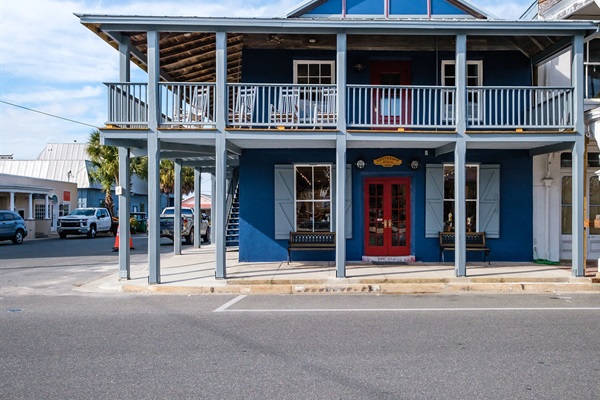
x,y
51,63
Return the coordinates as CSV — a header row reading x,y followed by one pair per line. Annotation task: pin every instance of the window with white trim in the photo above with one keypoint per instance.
x,y
312,72
591,64
474,79
312,197
39,211
471,197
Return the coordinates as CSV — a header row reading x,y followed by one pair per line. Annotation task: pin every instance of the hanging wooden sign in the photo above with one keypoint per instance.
x,y
387,161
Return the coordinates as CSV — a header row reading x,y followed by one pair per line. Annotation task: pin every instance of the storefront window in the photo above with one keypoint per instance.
x,y
566,202
471,194
594,204
313,198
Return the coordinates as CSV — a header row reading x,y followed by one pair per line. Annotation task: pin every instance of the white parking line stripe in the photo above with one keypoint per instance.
x,y
323,310
230,303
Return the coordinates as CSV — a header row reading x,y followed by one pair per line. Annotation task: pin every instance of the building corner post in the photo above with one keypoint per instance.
x,y
124,207
340,159
219,217
197,206
177,208
154,116
578,165
460,154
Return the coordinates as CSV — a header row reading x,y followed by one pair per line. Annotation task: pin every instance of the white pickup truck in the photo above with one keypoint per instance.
x,y
187,224
86,221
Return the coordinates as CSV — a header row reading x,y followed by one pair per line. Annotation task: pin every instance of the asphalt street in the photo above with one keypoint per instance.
x,y
59,343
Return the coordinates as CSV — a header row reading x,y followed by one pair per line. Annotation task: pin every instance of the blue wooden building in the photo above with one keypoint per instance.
x,y
384,121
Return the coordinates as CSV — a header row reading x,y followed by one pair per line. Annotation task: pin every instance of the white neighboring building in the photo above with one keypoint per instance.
x,y
552,172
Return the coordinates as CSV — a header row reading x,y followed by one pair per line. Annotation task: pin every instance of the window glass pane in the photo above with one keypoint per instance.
x,y
304,216
448,182
322,185
322,216
566,216
472,82
594,204
314,80
566,160
594,51
594,160
302,70
473,70
326,70
313,69
304,183
471,177
592,80
449,70
326,80
302,80
450,81
471,209
448,216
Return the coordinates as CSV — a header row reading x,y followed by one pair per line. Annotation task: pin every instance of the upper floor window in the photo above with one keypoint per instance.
x,y
471,197
474,79
314,72
591,64
313,198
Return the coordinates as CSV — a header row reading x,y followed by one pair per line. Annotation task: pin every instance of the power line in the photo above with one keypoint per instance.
x,y
45,113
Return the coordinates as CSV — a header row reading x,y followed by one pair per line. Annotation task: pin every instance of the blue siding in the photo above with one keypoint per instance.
x,y
376,7
257,202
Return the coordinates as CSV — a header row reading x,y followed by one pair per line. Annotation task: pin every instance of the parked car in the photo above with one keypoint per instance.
x,y
187,224
12,227
86,221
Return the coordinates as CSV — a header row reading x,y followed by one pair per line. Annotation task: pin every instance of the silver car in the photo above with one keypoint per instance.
x,y
12,227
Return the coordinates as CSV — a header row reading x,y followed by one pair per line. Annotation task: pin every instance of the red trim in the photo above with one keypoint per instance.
x,y
386,231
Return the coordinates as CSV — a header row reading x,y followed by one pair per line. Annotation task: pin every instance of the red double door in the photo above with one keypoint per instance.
x,y
387,216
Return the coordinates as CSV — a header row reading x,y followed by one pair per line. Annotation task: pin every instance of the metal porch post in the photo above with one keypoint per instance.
x,y
219,219
578,166
197,206
177,209
124,207
340,160
460,151
153,159
30,206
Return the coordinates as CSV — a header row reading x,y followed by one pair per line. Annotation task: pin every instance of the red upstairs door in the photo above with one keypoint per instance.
x,y
391,103
387,217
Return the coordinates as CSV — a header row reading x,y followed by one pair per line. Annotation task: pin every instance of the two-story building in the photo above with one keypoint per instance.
x,y
383,121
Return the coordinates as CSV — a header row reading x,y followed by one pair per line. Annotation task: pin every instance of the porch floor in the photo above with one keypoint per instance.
x,y
193,272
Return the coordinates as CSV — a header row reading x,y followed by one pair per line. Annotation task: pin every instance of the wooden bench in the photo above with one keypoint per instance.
x,y
475,242
311,241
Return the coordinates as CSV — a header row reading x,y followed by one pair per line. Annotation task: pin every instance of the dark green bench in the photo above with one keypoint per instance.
x,y
475,242
310,241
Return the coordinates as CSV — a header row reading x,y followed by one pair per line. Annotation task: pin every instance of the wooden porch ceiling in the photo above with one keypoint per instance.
x,y
190,56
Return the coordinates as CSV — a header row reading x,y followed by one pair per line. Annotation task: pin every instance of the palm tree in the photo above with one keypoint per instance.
x,y
106,162
167,177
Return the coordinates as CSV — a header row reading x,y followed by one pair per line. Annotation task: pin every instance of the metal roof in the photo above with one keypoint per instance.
x,y
56,170
64,151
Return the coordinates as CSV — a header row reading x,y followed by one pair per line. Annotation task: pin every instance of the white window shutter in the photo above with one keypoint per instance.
x,y
434,200
489,200
284,201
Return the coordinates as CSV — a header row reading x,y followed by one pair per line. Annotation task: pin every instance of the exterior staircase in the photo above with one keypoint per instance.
x,y
232,231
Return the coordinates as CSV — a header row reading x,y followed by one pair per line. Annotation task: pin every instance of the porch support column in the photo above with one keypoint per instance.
x,y
197,206
153,159
340,159
12,201
125,59
578,169
124,207
30,206
460,151
177,209
46,206
219,217
213,189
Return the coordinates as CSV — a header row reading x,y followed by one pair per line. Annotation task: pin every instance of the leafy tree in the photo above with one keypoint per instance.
x,y
106,162
167,177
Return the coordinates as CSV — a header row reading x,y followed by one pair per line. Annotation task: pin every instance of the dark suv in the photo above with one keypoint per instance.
x,y
12,227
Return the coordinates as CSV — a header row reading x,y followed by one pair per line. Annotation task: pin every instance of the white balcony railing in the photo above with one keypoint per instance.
x,y
386,107
277,106
127,104
520,107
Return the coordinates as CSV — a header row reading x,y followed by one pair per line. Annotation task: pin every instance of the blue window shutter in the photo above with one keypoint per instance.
x,y
348,214
434,200
489,200
284,201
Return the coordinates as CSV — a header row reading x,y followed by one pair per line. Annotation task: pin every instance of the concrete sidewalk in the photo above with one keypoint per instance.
x,y
193,273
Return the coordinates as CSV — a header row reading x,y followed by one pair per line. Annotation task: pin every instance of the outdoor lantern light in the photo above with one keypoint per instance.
x,y
414,164
358,67
360,164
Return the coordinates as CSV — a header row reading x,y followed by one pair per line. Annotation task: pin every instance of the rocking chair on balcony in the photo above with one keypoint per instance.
x,y
199,110
326,108
241,114
287,110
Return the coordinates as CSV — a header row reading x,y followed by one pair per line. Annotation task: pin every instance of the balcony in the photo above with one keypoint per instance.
x,y
368,107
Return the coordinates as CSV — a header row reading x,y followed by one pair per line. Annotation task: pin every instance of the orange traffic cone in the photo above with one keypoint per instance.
x,y
116,246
